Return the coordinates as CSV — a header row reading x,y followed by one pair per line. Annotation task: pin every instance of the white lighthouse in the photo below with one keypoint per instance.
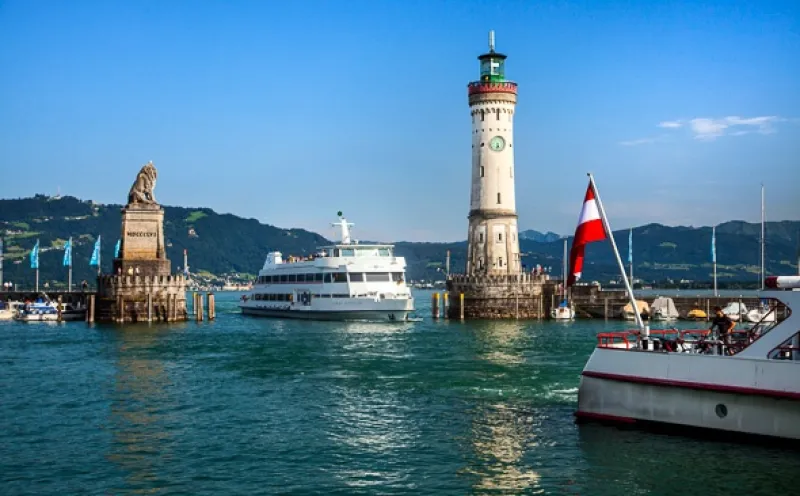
x,y
493,247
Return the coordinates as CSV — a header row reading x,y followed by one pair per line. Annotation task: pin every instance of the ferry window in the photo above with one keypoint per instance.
x,y
329,277
348,252
292,278
356,277
385,252
378,277
289,297
339,277
284,278
318,277
397,276
301,278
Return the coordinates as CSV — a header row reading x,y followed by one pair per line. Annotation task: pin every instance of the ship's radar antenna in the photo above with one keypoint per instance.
x,y
345,227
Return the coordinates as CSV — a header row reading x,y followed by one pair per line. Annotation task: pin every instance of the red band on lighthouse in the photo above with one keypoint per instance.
x,y
590,229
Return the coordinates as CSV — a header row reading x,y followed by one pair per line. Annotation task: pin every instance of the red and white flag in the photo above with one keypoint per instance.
x,y
590,229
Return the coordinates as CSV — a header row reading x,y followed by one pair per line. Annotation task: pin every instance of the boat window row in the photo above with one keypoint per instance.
x,y
289,297
360,252
331,277
272,297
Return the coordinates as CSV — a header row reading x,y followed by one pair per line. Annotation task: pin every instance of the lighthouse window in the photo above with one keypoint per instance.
x,y
498,198
480,237
500,261
482,115
500,237
481,171
498,114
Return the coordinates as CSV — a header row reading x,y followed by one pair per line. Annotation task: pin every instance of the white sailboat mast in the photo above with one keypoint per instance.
x,y
763,239
564,271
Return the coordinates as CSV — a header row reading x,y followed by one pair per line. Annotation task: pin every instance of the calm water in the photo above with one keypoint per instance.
x,y
247,406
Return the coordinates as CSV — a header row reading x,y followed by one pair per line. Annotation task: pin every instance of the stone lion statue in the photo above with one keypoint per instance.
x,y
143,186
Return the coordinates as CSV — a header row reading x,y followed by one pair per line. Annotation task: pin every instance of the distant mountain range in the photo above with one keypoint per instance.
x,y
228,245
533,235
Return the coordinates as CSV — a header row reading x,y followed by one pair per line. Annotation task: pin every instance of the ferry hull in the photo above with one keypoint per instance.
x,y
697,400
361,315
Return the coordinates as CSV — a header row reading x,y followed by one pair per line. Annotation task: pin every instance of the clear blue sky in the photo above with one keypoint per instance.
x,y
290,111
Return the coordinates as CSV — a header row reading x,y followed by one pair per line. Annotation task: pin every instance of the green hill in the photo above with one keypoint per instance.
x,y
225,244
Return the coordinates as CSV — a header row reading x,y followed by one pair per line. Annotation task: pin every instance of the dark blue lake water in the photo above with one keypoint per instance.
x,y
258,406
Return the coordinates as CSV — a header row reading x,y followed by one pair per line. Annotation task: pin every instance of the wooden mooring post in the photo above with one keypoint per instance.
x,y
605,309
199,307
461,306
435,306
90,309
149,307
446,305
212,311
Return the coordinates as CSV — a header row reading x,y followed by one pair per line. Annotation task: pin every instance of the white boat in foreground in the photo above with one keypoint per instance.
x,y
688,379
343,281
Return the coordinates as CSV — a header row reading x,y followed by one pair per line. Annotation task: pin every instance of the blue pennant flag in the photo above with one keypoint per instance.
x,y
35,256
630,246
116,248
95,260
68,253
713,245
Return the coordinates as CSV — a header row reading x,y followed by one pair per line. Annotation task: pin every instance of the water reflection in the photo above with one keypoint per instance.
x,y
501,436
139,406
501,342
639,462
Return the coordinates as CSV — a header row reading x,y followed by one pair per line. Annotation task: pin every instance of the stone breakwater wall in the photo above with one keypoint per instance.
x,y
520,296
125,298
595,303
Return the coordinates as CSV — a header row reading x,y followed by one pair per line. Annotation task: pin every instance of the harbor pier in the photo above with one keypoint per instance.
x,y
593,302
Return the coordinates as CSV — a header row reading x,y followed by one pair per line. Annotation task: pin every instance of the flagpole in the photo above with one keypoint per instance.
x,y
1,264
69,277
610,234
99,254
714,253
630,253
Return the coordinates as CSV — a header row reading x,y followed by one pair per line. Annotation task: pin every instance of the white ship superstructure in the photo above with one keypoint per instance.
x,y
343,281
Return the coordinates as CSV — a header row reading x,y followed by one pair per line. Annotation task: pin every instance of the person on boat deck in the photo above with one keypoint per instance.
x,y
723,324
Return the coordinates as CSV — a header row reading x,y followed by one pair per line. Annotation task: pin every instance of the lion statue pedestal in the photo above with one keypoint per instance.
x,y
141,287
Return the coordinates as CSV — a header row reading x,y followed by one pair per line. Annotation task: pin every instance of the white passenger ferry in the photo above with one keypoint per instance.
x,y
344,281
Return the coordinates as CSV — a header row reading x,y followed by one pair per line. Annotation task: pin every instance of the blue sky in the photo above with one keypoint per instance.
x,y
290,111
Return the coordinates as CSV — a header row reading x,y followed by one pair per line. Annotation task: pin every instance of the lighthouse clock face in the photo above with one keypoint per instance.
x,y
497,143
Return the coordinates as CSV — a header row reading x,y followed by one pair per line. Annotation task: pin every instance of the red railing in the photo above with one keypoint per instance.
x,y
617,338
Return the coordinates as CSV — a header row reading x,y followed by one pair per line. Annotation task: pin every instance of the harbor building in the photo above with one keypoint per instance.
x,y
494,284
